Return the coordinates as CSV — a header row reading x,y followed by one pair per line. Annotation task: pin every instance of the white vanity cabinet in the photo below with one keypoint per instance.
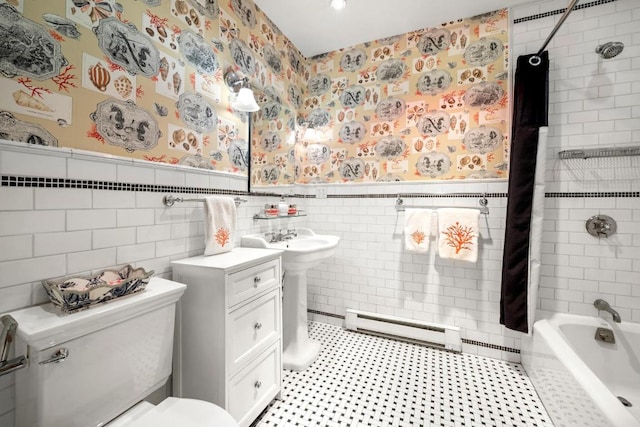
x,y
229,343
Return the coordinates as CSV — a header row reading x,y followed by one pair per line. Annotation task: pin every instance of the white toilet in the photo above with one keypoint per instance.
x,y
116,355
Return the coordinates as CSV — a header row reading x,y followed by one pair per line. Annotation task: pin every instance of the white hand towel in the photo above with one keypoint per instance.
x,y
417,228
219,224
458,234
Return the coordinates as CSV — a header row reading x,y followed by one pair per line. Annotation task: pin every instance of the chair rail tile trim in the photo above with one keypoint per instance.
x,y
45,182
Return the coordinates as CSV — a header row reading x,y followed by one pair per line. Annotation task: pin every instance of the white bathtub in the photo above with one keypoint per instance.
x,y
579,378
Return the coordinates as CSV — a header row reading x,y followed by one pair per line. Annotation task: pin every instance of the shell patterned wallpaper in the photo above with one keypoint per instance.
x,y
142,79
430,104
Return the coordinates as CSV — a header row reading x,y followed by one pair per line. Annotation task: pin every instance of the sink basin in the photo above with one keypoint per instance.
x,y
305,251
301,253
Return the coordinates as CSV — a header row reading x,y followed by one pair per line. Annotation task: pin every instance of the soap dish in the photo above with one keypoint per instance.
x,y
79,292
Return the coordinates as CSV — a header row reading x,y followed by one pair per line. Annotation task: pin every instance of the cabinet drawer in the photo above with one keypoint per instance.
x,y
252,328
252,281
253,388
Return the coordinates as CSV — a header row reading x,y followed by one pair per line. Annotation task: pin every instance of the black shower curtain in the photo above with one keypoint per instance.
x,y
530,111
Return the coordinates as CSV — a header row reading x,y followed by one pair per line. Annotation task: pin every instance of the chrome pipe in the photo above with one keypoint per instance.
x,y
13,365
9,327
535,60
7,337
564,16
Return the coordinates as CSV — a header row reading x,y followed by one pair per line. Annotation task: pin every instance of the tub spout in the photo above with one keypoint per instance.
x,y
601,304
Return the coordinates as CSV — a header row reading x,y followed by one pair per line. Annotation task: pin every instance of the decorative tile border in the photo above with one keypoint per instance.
x,y
550,195
415,195
493,346
464,340
561,11
594,194
44,182
322,313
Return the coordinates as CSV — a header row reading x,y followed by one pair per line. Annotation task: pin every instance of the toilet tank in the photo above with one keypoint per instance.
x,y
118,353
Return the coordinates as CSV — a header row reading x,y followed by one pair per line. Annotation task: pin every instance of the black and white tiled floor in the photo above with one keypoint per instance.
x,y
363,380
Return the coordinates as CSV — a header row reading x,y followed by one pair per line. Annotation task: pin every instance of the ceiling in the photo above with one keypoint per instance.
x,y
315,28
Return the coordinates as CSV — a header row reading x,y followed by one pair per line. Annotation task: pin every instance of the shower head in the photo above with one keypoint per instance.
x,y
610,49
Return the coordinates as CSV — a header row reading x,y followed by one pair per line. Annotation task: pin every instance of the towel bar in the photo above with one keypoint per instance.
x,y
169,200
483,202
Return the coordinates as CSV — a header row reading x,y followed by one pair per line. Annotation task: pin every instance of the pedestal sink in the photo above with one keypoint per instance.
x,y
302,252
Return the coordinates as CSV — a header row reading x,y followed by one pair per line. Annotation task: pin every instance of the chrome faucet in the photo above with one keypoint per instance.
x,y
601,304
290,234
281,237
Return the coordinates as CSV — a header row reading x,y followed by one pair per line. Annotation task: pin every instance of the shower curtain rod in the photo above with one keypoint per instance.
x,y
535,59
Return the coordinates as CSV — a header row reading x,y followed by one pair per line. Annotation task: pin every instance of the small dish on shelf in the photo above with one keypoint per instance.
x,y
271,210
79,292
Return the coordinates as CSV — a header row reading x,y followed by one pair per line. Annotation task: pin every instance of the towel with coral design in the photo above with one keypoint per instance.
x,y
417,229
219,224
458,234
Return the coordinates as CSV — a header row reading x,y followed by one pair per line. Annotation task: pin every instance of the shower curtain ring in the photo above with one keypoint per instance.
x,y
535,60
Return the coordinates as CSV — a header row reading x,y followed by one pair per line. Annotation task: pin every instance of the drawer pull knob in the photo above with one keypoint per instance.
x,y
257,384
257,280
257,326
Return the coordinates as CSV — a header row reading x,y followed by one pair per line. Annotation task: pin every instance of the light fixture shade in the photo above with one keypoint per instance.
x,y
338,4
245,101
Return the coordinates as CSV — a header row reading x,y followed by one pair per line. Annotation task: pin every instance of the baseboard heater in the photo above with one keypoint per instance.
x,y
431,334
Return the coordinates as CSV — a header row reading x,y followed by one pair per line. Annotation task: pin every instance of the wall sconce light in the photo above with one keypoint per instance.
x,y
338,4
244,98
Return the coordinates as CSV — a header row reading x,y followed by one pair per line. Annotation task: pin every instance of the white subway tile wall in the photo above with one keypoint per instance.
x,y
372,272
594,104
50,232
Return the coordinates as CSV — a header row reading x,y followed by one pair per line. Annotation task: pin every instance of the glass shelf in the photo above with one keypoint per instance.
x,y
263,216
600,152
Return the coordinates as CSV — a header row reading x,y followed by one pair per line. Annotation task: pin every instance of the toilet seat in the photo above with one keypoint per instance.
x,y
175,411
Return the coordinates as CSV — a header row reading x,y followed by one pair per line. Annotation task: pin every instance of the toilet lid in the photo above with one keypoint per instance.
x,y
173,412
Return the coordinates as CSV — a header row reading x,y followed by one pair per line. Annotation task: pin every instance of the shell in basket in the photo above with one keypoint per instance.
x,y
75,293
